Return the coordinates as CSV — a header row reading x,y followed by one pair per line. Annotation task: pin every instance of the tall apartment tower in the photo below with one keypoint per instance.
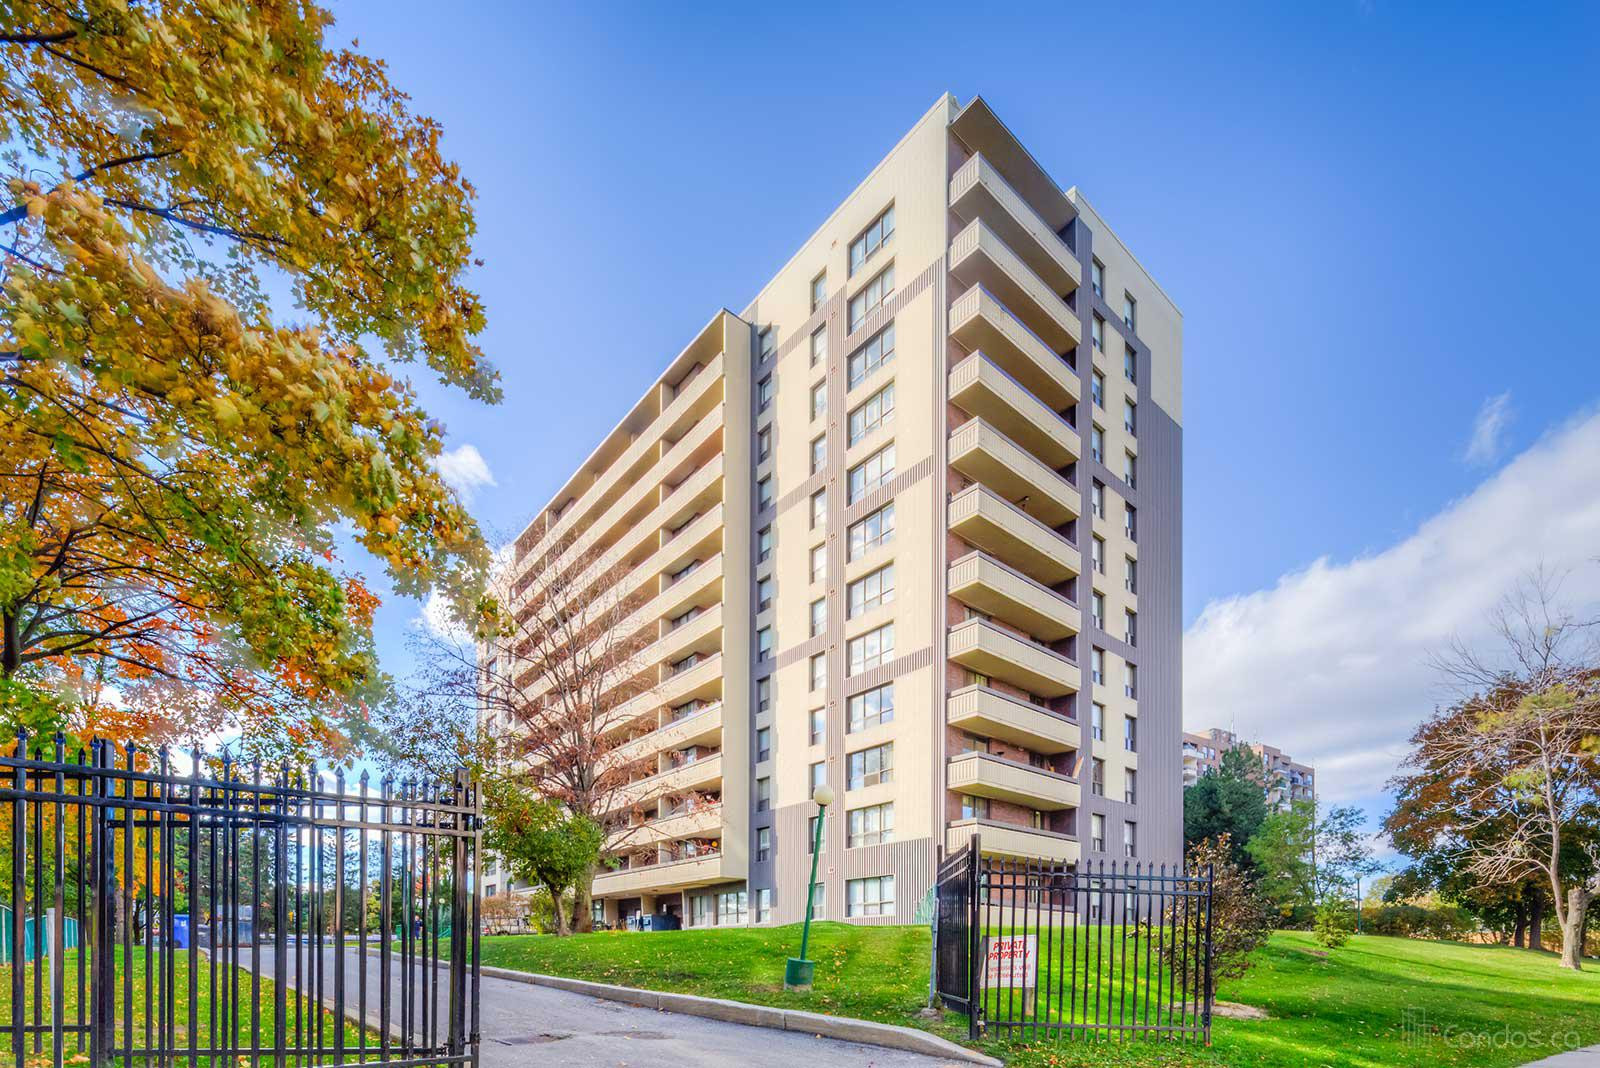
x,y
910,524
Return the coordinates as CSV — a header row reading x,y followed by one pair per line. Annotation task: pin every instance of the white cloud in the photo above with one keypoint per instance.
x,y
465,470
435,615
1488,429
1332,663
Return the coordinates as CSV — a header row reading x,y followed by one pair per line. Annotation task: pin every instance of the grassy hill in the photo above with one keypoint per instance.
x,y
1375,1002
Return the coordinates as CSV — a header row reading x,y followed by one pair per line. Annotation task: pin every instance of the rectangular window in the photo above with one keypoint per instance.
x,y
871,707
1097,444
819,509
817,775
764,589
1130,522
764,545
764,643
1130,417
731,908
764,844
766,344
1130,364
1097,666
763,744
871,413
764,493
764,694
819,616
974,808
1130,470
870,240
764,443
865,361
764,905
1130,839
763,794
870,591
1130,680
819,345
1097,277
1130,622
764,395
819,563
871,296
811,835
1130,786
1130,312
873,825
819,725
819,672
1097,833
871,473
819,453
1097,389
1098,332
819,900
869,767
819,290
1097,553
1097,499
1130,574
870,897
870,650
871,531
1097,776
1097,610
819,400
1097,721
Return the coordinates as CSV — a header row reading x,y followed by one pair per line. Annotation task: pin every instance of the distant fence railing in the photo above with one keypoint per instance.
x,y
232,914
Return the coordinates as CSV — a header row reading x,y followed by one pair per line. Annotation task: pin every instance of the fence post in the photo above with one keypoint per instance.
x,y
1206,1008
19,905
458,921
103,857
973,1007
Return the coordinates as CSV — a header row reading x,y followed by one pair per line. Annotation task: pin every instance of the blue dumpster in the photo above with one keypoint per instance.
x,y
180,931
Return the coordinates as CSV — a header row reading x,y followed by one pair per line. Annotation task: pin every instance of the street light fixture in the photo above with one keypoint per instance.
x,y
797,971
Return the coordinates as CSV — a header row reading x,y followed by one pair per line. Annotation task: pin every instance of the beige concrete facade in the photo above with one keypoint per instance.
x,y
881,482
1284,780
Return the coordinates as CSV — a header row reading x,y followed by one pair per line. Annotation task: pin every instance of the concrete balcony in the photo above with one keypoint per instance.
x,y
707,771
978,386
664,877
994,777
1008,840
992,714
704,822
978,320
984,583
702,728
982,518
987,649
985,455
979,258
977,191
699,396
703,681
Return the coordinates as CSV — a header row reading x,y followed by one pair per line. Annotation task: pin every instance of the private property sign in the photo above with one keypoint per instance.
x,y
1010,960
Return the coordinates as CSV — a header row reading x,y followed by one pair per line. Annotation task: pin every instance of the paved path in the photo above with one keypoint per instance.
x,y
526,1025
1587,1057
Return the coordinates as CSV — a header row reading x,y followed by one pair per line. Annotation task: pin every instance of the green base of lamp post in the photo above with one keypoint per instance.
x,y
797,973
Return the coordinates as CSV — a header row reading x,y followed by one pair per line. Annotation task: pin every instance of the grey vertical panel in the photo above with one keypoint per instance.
x,y
1160,629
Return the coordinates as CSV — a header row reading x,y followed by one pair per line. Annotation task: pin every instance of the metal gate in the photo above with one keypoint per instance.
x,y
1038,947
258,915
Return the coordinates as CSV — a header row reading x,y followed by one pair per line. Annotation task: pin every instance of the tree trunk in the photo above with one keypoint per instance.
x,y
1536,922
1572,928
1520,930
555,911
583,901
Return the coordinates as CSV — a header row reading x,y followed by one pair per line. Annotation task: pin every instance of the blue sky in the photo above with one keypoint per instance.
x,y
1377,222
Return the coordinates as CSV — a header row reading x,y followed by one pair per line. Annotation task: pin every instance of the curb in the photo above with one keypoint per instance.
x,y
843,1028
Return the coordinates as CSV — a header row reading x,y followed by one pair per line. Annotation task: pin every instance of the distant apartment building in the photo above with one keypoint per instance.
x,y
1283,779
908,524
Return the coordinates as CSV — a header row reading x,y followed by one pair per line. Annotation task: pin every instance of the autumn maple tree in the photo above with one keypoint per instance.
x,y
178,464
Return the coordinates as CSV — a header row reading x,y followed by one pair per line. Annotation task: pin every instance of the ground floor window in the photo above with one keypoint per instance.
x,y
870,897
703,910
764,905
598,911
732,907
819,901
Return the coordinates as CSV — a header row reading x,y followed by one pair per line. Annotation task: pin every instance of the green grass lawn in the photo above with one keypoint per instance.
x,y
188,1030
1344,1007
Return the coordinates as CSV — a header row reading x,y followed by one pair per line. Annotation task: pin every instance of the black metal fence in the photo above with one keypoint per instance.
x,y
1035,947
221,914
